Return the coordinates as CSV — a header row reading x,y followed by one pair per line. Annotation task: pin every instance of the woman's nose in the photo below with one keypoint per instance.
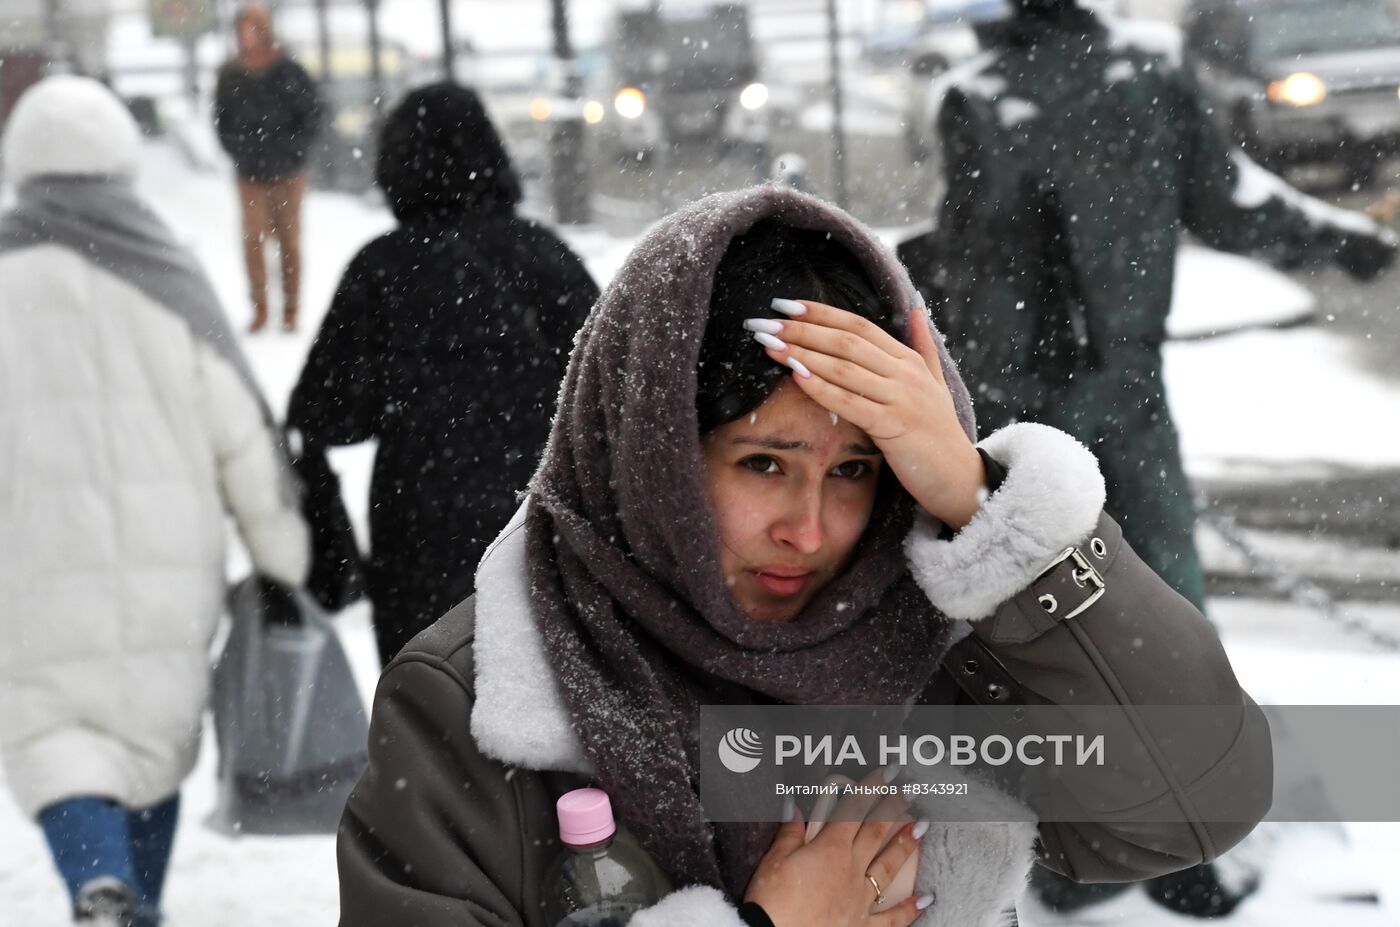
x,y
801,526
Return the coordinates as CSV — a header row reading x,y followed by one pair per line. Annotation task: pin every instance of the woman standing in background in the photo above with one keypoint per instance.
x,y
267,112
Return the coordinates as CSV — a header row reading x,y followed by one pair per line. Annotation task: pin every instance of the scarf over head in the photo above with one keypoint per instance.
x,y
624,558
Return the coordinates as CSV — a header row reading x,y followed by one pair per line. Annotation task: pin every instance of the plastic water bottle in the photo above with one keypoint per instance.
x,y
602,877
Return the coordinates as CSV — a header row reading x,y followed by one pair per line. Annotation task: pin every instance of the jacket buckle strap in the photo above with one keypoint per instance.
x,y
1081,574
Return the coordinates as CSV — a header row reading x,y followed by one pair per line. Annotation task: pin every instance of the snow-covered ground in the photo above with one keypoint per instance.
x,y
1268,397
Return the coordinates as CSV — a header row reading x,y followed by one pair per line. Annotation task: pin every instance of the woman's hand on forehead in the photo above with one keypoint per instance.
x,y
894,392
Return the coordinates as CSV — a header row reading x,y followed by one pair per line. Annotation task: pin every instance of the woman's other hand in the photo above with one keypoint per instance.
x,y
831,881
893,392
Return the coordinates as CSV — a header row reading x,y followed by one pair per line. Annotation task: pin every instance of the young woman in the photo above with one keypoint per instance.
x,y
802,520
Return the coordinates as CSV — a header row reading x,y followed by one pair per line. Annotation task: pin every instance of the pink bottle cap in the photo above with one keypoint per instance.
x,y
585,817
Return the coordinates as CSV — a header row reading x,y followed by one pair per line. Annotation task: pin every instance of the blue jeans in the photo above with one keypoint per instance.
x,y
95,837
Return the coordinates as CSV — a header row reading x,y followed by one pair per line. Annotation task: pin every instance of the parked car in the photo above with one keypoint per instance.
x,y
1303,81
683,75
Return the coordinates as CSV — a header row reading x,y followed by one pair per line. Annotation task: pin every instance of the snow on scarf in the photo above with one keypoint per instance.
x,y
624,558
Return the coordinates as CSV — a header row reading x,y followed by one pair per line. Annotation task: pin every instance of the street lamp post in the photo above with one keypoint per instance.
x,y
838,117
376,64
449,49
569,173
323,49
323,39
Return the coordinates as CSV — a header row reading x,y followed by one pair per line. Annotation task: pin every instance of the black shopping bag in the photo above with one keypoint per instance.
x,y
290,724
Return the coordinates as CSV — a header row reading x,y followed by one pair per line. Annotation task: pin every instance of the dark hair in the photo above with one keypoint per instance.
x,y
770,260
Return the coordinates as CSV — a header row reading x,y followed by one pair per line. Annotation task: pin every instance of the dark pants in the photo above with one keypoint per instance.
x,y
95,837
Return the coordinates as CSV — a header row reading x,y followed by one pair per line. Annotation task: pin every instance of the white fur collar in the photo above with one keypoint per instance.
x,y
519,717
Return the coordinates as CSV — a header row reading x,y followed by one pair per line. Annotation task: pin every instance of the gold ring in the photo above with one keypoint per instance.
x,y
879,895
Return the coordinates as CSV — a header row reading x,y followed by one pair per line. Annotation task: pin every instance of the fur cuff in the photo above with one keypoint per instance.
x,y
696,906
1051,500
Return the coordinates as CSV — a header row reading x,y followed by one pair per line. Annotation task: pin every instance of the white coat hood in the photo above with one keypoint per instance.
x,y
70,126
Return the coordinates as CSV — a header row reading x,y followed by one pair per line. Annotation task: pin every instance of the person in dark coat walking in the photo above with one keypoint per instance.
x,y
267,113
1074,150
446,341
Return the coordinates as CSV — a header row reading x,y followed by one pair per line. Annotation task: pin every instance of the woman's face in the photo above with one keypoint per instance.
x,y
792,491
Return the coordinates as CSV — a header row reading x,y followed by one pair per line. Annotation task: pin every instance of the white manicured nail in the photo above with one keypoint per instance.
x,y
771,326
789,809
796,365
768,341
789,307
923,902
889,773
919,830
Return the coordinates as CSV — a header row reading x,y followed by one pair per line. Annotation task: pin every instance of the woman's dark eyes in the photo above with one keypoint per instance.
x,y
852,469
760,463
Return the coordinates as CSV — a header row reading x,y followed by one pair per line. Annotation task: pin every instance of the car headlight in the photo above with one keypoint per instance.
x,y
630,102
1300,89
593,112
540,108
754,96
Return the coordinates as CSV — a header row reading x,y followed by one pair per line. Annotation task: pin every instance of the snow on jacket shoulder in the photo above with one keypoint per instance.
x,y
123,441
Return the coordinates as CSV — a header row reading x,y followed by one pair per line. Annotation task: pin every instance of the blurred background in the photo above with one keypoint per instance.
x,y
705,93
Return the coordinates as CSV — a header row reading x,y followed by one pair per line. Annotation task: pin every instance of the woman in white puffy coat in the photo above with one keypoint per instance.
x,y
129,426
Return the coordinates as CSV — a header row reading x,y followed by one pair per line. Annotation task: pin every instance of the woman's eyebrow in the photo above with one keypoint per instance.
x,y
774,444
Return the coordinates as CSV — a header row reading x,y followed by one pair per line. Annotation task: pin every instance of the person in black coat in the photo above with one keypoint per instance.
x,y
267,112
446,341
1074,150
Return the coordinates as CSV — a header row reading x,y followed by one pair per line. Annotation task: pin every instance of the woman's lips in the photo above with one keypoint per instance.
x,y
782,583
